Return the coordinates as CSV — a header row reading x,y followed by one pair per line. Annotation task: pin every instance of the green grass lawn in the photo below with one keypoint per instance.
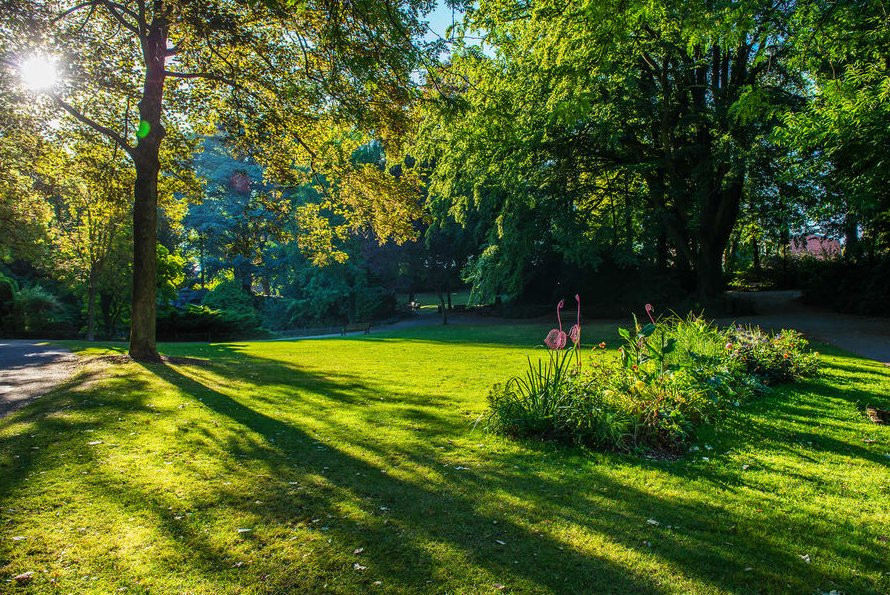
x,y
353,464
430,300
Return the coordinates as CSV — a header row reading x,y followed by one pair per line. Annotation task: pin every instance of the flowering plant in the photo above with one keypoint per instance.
x,y
773,359
672,375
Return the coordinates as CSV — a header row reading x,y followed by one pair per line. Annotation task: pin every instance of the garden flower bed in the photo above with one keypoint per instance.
x,y
671,376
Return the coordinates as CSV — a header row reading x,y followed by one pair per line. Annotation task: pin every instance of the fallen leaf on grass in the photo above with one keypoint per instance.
x,y
24,578
877,416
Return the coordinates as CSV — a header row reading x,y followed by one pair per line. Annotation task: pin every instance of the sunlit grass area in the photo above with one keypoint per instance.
x,y
430,300
353,464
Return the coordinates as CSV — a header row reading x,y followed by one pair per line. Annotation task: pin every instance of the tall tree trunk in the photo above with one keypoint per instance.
x,y
145,263
755,248
201,258
442,307
715,227
852,246
145,206
709,271
105,304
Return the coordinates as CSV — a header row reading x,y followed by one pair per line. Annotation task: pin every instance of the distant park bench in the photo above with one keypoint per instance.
x,y
355,327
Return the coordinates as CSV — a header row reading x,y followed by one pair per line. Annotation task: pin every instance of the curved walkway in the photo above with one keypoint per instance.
x,y
29,369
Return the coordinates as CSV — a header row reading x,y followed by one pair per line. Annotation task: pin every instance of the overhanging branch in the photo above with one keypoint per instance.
x,y
117,11
108,132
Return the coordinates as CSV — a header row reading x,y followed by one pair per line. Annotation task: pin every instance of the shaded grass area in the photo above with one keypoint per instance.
x,y
141,476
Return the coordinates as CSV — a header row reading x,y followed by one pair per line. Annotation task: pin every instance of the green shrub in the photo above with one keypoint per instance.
x,y
275,313
854,287
374,303
670,377
371,304
534,404
553,401
204,323
234,305
229,295
772,359
35,309
8,289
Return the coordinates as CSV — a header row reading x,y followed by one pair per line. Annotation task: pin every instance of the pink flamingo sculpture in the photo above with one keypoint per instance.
x,y
575,331
649,310
556,339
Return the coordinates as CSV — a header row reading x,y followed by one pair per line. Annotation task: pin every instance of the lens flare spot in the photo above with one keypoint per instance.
x,y
144,129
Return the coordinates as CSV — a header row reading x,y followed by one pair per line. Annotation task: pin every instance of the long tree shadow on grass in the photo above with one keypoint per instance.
x,y
415,515
456,509
423,512
67,410
799,430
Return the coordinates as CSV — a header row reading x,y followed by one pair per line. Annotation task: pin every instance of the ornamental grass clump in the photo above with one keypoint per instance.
x,y
671,375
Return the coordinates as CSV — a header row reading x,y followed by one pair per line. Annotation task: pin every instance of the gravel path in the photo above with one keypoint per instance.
x,y
29,369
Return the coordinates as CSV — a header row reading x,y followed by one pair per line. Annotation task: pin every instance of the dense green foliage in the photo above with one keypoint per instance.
x,y
299,86
694,138
671,376
141,476
845,127
626,151
859,288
